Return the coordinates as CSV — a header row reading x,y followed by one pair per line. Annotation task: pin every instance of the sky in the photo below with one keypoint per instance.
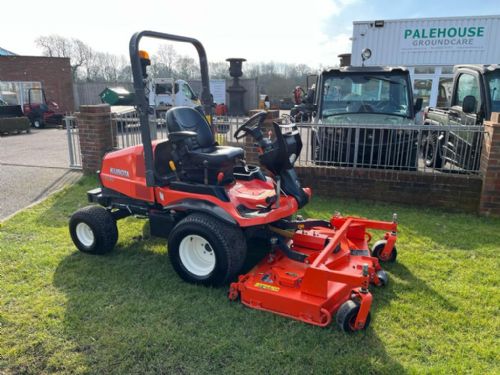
x,y
313,32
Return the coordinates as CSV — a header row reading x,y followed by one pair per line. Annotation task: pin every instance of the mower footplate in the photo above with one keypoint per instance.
x,y
338,267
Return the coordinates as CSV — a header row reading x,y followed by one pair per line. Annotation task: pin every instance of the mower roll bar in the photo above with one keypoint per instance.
x,y
140,92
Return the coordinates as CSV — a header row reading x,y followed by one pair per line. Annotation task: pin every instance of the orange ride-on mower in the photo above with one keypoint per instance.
x,y
208,202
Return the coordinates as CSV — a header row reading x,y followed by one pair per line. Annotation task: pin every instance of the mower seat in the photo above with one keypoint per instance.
x,y
202,150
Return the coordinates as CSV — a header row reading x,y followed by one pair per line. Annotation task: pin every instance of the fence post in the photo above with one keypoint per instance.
x,y
67,123
489,203
96,138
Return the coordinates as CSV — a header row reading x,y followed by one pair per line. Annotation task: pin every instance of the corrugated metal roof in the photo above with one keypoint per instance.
x,y
4,52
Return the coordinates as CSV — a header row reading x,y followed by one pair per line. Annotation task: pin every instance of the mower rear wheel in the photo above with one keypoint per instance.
x,y
93,230
346,316
205,250
377,251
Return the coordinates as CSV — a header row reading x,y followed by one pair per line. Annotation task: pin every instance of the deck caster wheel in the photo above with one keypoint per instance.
x,y
383,278
377,252
93,230
205,250
346,316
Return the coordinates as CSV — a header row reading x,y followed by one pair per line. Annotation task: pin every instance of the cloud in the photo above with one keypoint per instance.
x,y
295,31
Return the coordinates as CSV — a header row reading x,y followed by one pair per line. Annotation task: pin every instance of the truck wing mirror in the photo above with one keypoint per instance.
x,y
469,104
418,104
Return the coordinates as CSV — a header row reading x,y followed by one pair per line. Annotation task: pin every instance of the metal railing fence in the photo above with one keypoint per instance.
x,y
75,154
423,148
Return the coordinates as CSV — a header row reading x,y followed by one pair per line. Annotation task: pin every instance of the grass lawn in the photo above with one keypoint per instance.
x,y
128,312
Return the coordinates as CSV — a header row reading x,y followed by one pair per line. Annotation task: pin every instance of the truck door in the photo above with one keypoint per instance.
x,y
462,145
184,95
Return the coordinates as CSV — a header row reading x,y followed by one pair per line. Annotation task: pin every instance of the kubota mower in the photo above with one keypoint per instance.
x,y
208,202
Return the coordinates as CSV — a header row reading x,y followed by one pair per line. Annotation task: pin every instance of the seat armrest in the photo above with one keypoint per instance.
x,y
181,135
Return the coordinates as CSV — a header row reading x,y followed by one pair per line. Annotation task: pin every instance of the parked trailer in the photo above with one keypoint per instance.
x,y
12,120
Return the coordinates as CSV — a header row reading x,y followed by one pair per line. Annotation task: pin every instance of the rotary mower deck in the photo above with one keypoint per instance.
x,y
334,274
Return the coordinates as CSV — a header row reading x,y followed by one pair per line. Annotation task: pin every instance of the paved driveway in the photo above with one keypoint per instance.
x,y
31,167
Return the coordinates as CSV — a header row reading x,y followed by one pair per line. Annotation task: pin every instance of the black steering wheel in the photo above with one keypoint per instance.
x,y
251,126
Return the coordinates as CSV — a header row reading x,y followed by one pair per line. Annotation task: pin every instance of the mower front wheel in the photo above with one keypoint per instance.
x,y
93,230
346,316
205,250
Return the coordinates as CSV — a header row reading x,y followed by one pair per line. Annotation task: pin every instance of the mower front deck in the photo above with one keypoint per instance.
x,y
337,266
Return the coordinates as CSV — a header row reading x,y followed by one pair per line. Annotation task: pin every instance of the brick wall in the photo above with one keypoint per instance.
x,y
96,136
490,168
455,192
53,72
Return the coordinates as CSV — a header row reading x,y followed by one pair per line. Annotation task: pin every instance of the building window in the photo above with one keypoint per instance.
x,y
422,89
17,93
9,93
447,69
424,70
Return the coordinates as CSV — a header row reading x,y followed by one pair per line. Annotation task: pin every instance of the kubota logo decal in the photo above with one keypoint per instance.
x,y
119,172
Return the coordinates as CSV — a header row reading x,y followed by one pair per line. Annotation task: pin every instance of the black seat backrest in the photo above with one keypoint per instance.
x,y
186,118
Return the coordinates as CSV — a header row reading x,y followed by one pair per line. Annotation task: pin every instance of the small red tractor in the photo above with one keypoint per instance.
x,y
209,203
40,111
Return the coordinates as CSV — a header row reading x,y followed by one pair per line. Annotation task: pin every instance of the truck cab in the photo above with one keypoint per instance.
x,y
376,95
165,93
365,96
475,96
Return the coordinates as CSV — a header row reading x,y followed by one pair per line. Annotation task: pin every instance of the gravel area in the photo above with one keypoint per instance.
x,y
31,167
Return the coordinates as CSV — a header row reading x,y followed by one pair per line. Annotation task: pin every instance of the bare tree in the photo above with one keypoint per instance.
x,y
275,79
59,46
219,70
186,68
167,56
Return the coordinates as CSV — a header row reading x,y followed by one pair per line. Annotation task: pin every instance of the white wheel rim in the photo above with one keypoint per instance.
x,y
197,255
85,234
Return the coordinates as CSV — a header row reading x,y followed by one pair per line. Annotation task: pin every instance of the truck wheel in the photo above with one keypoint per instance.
x,y
346,316
205,250
432,153
93,230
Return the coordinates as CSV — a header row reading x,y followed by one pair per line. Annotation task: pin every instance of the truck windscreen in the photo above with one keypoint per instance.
x,y
493,79
365,93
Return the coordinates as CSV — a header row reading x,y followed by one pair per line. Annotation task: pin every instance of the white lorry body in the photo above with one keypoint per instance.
x,y
165,93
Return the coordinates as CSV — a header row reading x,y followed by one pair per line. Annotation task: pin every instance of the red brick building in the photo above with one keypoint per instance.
x,y
17,73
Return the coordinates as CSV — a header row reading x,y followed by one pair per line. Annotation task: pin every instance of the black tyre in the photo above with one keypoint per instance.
x,y
432,153
38,123
383,278
93,230
346,316
377,250
205,250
